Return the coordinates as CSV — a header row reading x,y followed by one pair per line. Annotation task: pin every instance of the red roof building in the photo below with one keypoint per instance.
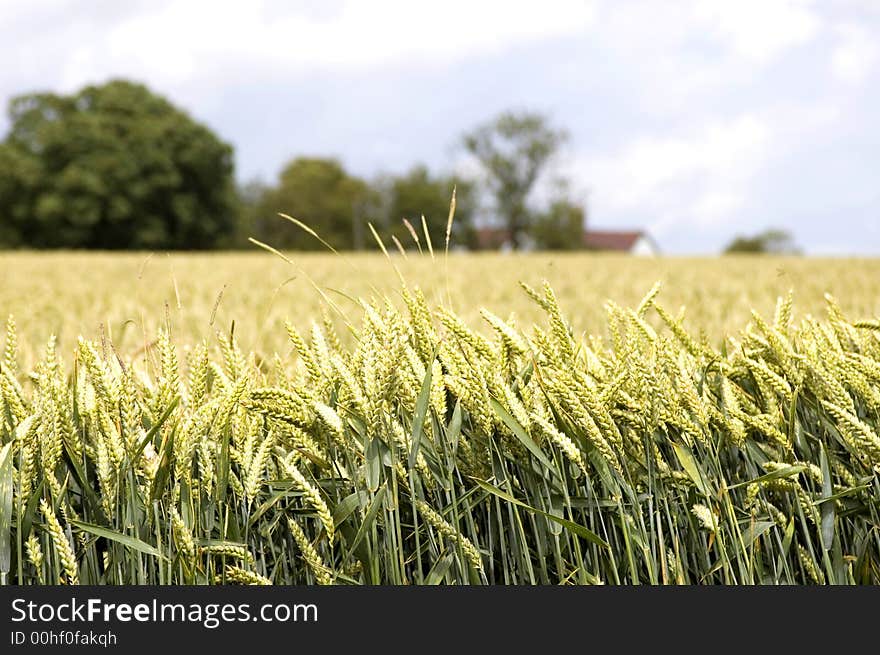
x,y
633,242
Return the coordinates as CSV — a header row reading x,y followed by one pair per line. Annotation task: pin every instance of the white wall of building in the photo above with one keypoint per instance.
x,y
643,248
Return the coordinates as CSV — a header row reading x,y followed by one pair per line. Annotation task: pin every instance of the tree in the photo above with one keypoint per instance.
x,y
113,166
320,193
771,241
19,176
417,194
561,227
514,150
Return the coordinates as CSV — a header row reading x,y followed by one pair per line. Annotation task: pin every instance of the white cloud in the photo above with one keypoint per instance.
x,y
759,29
674,54
174,42
856,55
700,178
697,178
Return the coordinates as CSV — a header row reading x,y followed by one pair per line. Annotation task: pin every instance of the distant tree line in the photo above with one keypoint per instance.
x,y
116,166
339,206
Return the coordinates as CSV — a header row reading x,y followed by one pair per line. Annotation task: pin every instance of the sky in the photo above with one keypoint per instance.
x,y
696,121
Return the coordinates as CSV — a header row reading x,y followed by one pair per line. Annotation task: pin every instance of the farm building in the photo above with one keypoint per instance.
x,y
633,242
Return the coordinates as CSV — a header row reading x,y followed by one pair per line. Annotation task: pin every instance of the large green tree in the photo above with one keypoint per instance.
x,y
323,195
514,150
419,193
112,166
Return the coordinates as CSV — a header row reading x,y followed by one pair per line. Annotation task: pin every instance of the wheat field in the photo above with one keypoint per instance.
x,y
418,421
125,298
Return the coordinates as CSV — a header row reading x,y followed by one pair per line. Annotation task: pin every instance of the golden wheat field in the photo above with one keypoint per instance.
x,y
127,297
416,450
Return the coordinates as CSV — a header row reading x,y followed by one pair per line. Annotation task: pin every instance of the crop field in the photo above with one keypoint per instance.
x,y
373,420
127,297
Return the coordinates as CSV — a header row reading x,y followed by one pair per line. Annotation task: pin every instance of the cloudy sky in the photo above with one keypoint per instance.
x,y
696,120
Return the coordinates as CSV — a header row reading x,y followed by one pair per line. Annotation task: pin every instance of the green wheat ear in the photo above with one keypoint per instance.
x,y
62,546
10,349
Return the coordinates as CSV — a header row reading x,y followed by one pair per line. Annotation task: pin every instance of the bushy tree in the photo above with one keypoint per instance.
x,y
323,195
113,166
561,227
419,193
19,177
772,241
514,150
